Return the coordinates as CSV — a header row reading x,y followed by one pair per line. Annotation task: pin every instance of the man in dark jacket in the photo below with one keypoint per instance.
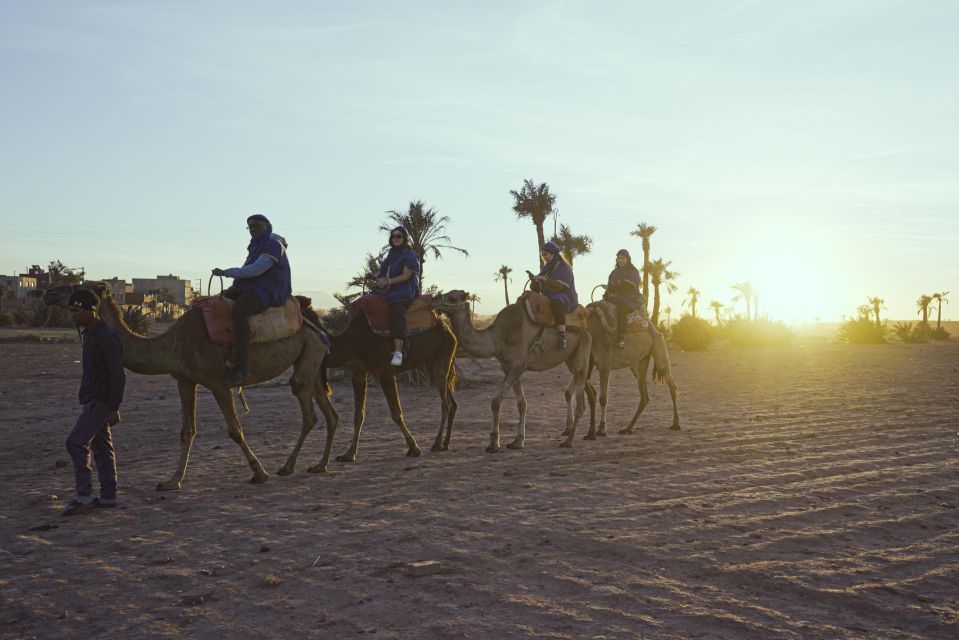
x,y
101,392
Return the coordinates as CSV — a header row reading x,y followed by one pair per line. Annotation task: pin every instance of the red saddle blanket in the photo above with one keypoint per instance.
x,y
538,309
419,316
273,323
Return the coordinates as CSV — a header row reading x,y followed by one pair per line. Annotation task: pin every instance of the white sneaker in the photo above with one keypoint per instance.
x,y
397,358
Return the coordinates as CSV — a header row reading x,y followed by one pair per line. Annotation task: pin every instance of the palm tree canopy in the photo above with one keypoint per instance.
x,y
503,274
427,229
643,231
923,301
716,304
745,288
572,244
941,297
660,273
533,201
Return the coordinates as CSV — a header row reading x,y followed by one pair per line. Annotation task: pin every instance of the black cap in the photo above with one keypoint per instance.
x,y
84,299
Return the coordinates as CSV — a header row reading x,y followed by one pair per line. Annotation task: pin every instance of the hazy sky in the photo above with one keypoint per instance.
x,y
808,147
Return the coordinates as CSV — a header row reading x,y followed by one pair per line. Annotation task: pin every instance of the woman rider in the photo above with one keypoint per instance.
x,y
622,289
398,281
555,280
263,281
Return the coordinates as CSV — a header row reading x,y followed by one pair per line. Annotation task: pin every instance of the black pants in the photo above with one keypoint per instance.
x,y
91,433
398,319
248,303
622,312
559,311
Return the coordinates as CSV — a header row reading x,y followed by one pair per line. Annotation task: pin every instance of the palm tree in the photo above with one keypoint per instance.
x,y
693,298
755,305
746,293
361,279
536,202
922,303
644,231
473,299
864,311
940,298
503,274
60,274
716,305
877,304
659,273
427,231
668,310
571,244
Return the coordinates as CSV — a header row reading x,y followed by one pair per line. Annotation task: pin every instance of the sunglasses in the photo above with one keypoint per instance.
x,y
397,235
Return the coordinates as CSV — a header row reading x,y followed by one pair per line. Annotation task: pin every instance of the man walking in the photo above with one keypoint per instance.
x,y
101,391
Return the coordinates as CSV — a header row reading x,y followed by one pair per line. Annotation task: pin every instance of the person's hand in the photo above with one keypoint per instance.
x,y
539,278
113,418
218,271
382,282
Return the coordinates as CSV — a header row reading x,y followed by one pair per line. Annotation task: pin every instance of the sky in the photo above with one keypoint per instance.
x,y
809,148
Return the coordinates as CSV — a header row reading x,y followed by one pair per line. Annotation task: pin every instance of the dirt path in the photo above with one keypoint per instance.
x,y
812,494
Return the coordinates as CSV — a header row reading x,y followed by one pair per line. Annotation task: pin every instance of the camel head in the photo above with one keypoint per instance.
x,y
58,296
447,302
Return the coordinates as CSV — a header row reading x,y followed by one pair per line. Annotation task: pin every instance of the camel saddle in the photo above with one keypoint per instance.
x,y
538,309
635,321
273,323
419,316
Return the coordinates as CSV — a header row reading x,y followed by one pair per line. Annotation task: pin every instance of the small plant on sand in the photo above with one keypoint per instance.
x,y
862,330
691,334
757,333
906,333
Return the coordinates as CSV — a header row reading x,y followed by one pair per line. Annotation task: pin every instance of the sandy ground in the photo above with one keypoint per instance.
x,y
813,493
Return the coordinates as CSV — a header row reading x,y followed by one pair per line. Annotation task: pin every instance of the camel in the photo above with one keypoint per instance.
x,y
364,353
519,345
605,357
185,352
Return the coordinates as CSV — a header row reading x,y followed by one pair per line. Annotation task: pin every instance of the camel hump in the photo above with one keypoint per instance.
x,y
539,312
273,323
419,316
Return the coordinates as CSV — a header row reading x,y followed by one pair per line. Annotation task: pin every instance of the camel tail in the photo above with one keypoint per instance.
x,y
325,381
661,369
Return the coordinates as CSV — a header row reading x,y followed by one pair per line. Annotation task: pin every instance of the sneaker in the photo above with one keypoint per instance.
x,y
563,342
621,343
397,358
79,504
105,503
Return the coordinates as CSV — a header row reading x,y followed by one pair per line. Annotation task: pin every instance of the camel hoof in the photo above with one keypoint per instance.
x,y
676,427
566,444
516,444
169,485
285,471
414,452
565,434
259,478
626,431
493,449
589,436
346,457
317,468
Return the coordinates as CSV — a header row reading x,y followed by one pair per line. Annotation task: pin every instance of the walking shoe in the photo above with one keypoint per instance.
x,y
621,343
397,358
105,503
80,503
563,342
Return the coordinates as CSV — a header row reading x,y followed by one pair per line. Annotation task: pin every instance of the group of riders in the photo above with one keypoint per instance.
x,y
264,281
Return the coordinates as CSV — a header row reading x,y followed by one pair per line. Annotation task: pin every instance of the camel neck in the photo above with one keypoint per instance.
x,y
478,343
141,354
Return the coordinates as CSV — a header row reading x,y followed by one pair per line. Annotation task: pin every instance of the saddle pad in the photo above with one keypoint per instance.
x,y
538,309
635,321
419,315
273,323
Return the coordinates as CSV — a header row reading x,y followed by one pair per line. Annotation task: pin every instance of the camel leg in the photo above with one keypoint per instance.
x,y
443,386
511,377
671,384
388,382
187,391
603,400
304,395
642,377
577,386
224,398
332,420
591,399
520,438
359,415
449,420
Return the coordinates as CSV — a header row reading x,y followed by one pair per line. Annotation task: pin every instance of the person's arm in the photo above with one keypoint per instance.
x,y
256,268
112,351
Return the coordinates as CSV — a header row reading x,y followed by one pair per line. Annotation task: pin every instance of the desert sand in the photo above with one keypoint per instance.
x,y
813,493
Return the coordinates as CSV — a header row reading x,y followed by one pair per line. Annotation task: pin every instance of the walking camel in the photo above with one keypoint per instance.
x,y
605,357
520,346
363,353
185,352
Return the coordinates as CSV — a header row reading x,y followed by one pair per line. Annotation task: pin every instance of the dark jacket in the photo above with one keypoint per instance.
x,y
392,267
560,285
274,286
103,375
622,288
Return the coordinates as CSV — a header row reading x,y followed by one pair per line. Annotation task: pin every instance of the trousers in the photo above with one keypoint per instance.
x,y
91,433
